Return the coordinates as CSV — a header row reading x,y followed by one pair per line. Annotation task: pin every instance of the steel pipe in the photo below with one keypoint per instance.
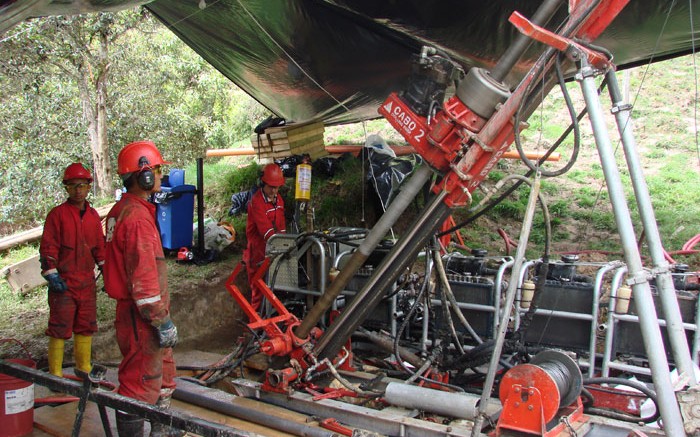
x,y
459,405
653,344
519,260
511,56
401,256
228,404
667,292
398,206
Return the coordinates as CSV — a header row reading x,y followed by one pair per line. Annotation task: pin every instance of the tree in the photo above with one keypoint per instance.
x,y
69,82
78,47
85,57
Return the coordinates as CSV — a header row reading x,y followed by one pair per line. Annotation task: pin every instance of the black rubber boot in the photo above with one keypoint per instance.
x,y
129,425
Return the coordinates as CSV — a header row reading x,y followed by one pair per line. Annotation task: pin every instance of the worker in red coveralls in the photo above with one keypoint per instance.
x,y
135,275
265,219
71,245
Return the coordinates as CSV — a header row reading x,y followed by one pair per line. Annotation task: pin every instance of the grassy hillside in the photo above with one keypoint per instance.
x,y
582,218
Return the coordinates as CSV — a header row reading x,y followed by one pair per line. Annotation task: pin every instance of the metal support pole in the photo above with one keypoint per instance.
x,y
511,56
148,411
507,307
231,405
667,292
598,287
358,258
651,334
612,321
200,209
401,255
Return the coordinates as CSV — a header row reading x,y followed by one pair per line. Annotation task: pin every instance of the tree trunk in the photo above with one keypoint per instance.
x,y
100,147
90,116
93,93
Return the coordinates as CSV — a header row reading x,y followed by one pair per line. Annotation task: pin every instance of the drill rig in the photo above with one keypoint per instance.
x,y
461,138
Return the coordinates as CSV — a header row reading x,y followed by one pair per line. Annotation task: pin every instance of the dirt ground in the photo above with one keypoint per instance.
x,y
207,317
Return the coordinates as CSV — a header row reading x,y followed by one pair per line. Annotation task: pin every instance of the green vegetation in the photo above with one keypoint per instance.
x,y
12,303
155,88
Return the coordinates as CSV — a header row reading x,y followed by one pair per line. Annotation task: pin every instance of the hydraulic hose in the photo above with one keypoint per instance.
x,y
622,416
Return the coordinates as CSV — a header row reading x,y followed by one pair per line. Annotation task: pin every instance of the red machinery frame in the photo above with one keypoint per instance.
x,y
441,142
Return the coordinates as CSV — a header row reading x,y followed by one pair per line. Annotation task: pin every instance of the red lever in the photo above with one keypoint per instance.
x,y
560,43
335,426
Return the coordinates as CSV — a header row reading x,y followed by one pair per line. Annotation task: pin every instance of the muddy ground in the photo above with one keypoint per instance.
x,y
207,317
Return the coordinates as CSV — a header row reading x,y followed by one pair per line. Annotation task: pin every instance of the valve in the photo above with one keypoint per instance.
x,y
185,255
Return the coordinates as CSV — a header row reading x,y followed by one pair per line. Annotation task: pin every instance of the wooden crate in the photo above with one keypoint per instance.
x,y
292,139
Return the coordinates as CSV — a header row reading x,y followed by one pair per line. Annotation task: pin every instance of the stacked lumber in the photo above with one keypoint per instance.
x,y
291,139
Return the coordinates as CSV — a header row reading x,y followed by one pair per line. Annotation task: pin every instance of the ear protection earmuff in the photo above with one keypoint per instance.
x,y
145,178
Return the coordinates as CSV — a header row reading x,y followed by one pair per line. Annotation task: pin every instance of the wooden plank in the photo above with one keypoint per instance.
x,y
307,140
223,419
25,275
318,154
58,421
317,143
313,147
318,128
302,135
276,136
291,143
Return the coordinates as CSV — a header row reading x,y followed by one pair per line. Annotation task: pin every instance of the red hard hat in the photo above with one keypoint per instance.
x,y
138,155
272,175
76,171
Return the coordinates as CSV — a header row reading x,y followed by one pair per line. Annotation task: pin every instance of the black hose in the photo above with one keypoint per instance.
x,y
406,320
574,122
526,320
589,397
616,414
515,186
402,327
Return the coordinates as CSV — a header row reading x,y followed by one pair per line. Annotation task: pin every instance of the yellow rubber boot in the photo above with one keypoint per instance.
x,y
56,356
82,349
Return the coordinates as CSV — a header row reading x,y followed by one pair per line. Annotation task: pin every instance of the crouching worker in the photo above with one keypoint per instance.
x,y
71,244
135,275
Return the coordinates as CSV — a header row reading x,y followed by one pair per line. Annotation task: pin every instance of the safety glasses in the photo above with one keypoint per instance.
x,y
80,186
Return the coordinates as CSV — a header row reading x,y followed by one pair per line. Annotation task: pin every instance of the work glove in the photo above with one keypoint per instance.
x,y
56,283
167,334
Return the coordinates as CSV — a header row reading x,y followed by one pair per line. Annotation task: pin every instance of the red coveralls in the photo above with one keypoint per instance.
x,y
70,246
135,274
265,219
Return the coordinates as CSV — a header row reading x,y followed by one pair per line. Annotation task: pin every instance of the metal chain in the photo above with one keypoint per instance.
x,y
566,422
